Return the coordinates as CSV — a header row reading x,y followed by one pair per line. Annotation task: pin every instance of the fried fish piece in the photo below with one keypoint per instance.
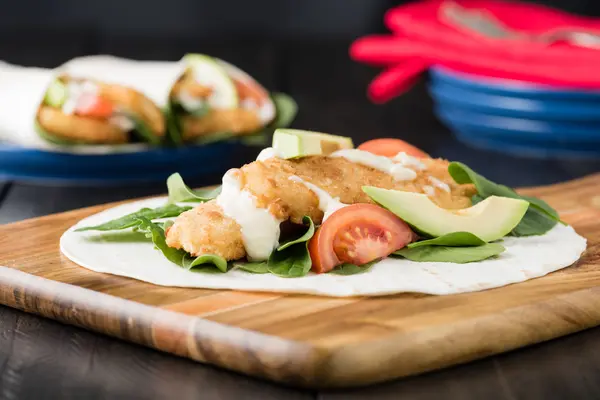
x,y
236,120
80,129
206,229
137,104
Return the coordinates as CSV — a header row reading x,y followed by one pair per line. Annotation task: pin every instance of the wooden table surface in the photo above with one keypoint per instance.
x,y
42,359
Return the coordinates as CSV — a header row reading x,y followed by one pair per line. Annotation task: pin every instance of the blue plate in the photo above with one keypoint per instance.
x,y
522,143
17,163
521,129
474,139
509,87
493,104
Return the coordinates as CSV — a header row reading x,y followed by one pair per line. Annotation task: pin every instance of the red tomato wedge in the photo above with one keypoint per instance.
x,y
250,90
94,106
391,147
357,234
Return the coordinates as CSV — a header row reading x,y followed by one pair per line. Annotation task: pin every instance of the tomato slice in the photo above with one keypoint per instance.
x,y
357,234
93,106
390,147
250,90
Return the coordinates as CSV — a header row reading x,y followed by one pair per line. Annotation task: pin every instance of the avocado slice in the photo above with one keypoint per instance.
x,y
291,143
56,95
490,219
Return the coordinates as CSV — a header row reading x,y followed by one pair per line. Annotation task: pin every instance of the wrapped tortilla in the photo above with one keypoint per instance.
x,y
204,99
21,89
93,104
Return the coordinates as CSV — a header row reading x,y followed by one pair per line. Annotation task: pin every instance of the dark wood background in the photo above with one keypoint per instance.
x,y
299,48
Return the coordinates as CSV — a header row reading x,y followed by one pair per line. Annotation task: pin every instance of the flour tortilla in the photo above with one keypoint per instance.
x,y
22,89
152,78
524,259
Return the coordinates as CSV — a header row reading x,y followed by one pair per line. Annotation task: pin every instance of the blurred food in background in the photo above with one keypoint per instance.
x,y
105,100
512,77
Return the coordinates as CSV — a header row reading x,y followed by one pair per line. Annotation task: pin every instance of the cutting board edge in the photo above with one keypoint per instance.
x,y
287,361
517,323
249,352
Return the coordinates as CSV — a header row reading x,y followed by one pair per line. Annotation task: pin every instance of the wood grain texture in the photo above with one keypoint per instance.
x,y
306,340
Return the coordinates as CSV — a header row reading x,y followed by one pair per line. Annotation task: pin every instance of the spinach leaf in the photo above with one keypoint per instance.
x,y
454,239
157,234
538,219
131,220
208,263
351,269
208,260
292,260
253,267
457,255
304,238
180,192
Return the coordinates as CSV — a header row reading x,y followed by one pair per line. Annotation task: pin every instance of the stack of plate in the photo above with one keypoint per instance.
x,y
517,117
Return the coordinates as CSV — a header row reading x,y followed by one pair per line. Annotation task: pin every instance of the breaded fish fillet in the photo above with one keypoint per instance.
x,y
206,230
74,127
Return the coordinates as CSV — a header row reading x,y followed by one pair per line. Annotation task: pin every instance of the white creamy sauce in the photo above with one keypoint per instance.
x,y
409,161
205,76
439,184
267,112
385,164
75,92
327,204
429,190
267,153
260,229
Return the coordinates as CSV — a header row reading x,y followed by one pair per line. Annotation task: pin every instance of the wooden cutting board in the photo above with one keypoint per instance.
x,y
306,340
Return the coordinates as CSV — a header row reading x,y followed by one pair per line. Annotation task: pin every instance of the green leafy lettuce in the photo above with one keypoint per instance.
x,y
132,220
204,263
540,217
253,267
179,192
291,259
454,239
351,269
459,255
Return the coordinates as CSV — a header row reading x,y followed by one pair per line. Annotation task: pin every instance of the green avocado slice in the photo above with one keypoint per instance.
x,y
292,143
56,95
491,219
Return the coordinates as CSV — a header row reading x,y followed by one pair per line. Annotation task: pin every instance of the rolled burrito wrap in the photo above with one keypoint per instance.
x,y
204,99
212,97
123,103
